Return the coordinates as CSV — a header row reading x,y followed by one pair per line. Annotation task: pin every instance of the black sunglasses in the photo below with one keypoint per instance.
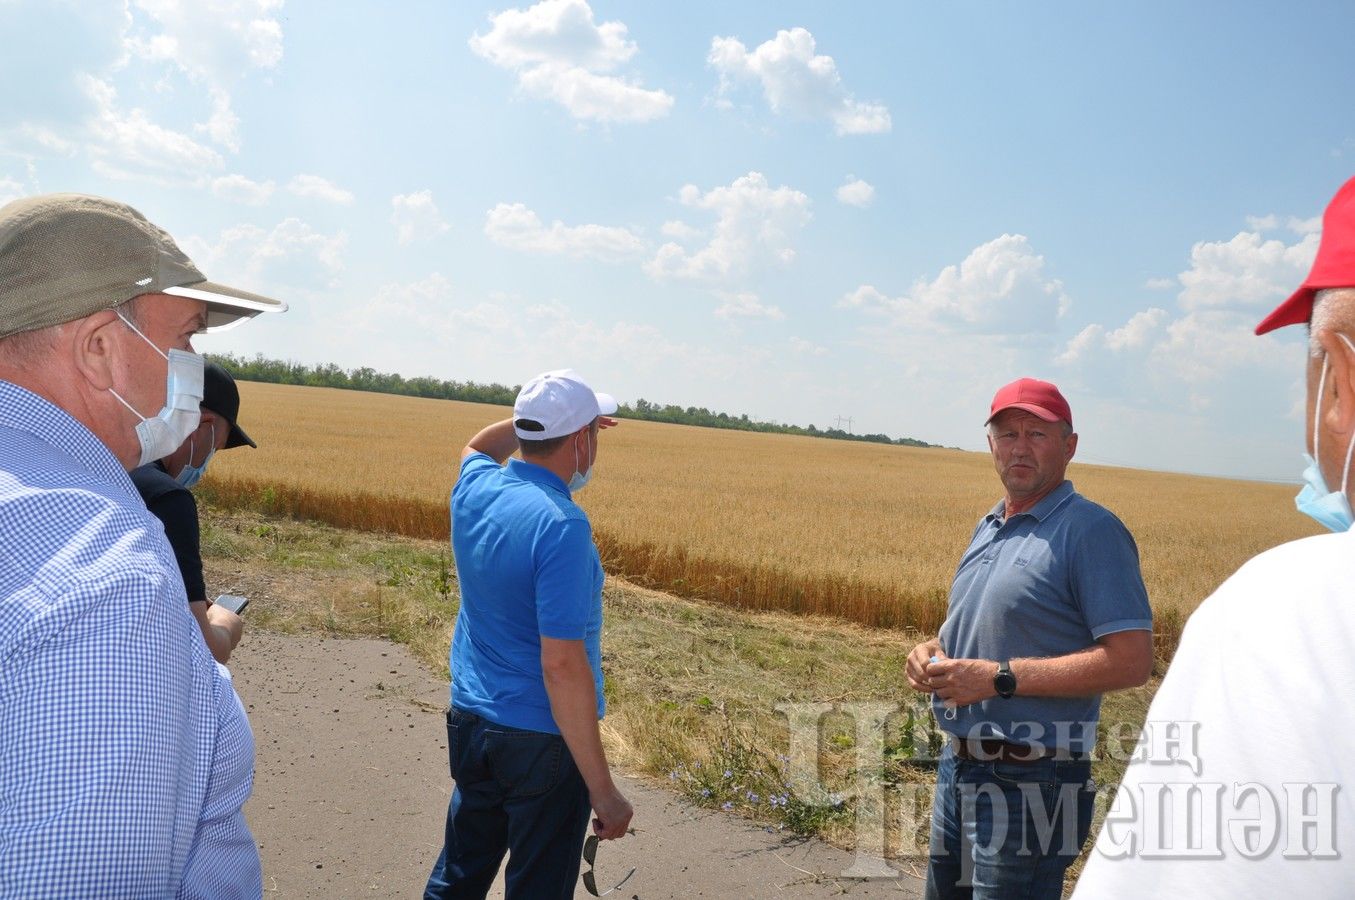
x,y
590,852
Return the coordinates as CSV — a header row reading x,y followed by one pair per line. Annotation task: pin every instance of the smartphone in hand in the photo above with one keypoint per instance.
x,y
234,602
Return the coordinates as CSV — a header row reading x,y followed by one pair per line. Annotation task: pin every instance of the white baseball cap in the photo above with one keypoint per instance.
x,y
554,404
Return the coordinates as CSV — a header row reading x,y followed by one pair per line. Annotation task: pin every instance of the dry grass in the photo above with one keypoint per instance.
x,y
864,532
692,688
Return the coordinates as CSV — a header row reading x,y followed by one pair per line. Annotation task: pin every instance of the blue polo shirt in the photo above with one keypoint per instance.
x,y
528,569
1046,582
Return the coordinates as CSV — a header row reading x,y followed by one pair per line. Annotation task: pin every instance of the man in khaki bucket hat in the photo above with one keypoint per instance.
x,y
125,755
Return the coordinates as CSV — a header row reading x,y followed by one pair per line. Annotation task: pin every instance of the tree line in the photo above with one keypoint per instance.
x,y
276,371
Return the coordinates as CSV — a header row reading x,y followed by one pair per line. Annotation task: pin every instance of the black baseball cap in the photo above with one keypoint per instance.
x,y
220,395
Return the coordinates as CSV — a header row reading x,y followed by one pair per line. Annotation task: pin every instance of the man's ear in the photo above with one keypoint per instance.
x,y
1072,446
93,348
1338,414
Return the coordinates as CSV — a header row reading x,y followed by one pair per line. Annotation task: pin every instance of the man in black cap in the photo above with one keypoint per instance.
x,y
164,486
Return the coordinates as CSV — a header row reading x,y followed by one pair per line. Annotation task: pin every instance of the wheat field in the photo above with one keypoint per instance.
x,y
866,532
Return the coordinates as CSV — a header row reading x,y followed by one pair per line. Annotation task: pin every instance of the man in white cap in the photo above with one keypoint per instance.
x,y
1244,785
125,755
526,658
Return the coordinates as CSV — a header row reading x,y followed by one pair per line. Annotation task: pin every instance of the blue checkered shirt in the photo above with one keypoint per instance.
x,y
125,755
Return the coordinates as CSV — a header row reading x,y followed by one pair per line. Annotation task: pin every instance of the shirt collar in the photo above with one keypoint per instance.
x,y
25,411
1040,511
520,468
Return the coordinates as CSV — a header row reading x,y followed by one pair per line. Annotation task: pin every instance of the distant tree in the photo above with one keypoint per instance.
x,y
260,368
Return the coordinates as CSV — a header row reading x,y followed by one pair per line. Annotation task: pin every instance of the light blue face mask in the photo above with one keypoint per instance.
x,y
578,480
191,474
1330,509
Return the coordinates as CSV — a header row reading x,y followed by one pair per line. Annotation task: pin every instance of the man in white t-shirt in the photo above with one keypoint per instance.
x,y
1245,785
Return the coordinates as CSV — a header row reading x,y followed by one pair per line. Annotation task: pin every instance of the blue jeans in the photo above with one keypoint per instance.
x,y
1007,830
517,792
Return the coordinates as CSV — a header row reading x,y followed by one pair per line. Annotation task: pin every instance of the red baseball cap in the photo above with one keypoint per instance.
x,y
1037,397
1334,266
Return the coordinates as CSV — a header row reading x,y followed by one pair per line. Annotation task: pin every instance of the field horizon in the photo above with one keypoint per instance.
x,y
869,533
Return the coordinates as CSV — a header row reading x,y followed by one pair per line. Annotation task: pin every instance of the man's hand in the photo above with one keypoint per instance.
x,y
919,660
221,628
226,623
960,682
607,422
613,814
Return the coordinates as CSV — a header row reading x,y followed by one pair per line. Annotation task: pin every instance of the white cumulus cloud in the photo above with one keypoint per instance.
x,y
416,216
213,40
1000,288
290,256
756,225
745,305
1304,226
126,143
560,53
239,189
223,126
680,231
1205,345
856,192
213,44
320,189
1247,271
517,227
796,81
1136,334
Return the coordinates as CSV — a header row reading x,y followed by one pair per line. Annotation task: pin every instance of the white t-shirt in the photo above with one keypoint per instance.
x,y
1263,693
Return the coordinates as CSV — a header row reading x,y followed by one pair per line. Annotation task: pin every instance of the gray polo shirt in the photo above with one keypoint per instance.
x,y
1046,582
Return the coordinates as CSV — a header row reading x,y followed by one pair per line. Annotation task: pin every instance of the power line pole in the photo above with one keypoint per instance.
x,y
848,420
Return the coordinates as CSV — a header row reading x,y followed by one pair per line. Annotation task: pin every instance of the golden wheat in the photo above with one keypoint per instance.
x,y
862,531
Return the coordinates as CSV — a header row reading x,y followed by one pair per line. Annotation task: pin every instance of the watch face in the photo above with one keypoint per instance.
x,y
1004,683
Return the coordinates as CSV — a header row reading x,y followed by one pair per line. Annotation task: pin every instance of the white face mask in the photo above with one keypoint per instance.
x,y
178,418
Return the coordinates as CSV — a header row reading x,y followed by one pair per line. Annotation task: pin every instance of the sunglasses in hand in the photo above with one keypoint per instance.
x,y
590,852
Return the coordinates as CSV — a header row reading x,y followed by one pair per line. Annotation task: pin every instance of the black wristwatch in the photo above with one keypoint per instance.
x,y
1004,682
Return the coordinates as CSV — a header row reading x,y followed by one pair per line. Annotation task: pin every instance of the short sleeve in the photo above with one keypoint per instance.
x,y
565,582
178,512
1107,580
475,466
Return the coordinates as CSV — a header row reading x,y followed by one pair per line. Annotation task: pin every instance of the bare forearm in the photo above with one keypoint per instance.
x,y
1094,670
1116,661
498,441
573,703
221,636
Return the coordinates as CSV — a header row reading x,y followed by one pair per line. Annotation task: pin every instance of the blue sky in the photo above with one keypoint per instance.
x,y
798,211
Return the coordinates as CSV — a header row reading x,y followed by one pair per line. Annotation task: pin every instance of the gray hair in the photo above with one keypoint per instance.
x,y
26,347
1333,310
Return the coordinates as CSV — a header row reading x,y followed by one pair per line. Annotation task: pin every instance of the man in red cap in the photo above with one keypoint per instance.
x,y
1266,759
1047,612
